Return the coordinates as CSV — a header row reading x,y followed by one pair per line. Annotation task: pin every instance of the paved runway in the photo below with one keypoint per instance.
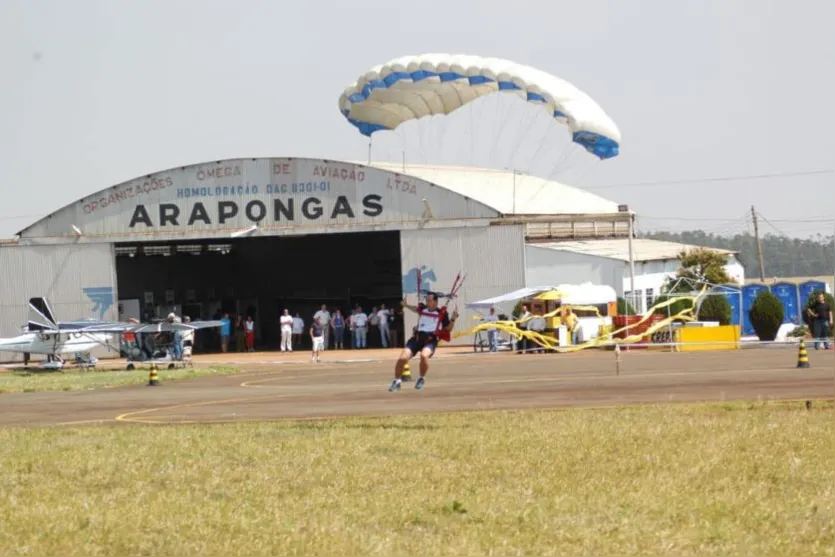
x,y
272,389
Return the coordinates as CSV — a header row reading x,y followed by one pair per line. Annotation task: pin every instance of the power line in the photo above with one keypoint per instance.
x,y
714,179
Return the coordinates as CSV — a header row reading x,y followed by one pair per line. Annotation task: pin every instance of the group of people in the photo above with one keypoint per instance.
x,y
244,333
334,326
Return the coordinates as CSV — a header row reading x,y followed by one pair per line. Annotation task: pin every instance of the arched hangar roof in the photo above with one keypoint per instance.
x,y
510,193
309,194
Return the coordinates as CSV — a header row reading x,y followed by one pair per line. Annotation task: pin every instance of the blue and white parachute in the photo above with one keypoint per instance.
x,y
413,87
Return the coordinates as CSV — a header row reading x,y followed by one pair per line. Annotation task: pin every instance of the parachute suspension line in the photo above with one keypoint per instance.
x,y
424,139
467,130
586,168
517,137
542,142
503,120
565,156
369,149
473,133
445,139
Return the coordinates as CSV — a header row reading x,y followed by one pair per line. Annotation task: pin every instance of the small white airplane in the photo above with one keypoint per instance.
x,y
45,335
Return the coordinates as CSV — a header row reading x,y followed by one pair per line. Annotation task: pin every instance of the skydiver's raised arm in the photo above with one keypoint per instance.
x,y
409,307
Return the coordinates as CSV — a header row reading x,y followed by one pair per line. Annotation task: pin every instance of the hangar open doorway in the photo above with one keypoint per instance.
x,y
260,276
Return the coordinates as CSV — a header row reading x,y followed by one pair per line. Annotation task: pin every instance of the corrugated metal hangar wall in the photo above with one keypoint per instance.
x,y
78,280
493,258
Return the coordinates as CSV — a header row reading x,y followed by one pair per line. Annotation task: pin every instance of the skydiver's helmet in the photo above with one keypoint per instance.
x,y
171,317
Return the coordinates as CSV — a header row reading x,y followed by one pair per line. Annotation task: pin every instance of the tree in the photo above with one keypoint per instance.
x,y
783,256
624,307
699,267
766,315
715,308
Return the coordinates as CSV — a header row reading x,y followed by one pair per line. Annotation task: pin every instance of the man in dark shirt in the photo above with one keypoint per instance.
x,y
821,315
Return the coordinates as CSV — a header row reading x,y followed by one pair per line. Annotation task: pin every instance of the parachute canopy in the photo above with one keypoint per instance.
x,y
412,87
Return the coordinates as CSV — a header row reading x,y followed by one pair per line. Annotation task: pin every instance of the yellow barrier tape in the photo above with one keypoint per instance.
x,y
551,343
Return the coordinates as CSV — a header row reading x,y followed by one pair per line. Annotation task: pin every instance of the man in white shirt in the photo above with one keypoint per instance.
x,y
323,316
298,329
360,321
286,331
523,322
383,318
492,333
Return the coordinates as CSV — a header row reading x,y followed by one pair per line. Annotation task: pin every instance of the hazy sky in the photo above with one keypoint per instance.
x,y
98,92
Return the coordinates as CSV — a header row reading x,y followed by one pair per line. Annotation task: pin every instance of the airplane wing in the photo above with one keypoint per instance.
x,y
121,328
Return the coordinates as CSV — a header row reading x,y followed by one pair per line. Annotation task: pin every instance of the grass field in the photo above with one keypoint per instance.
x,y
730,479
78,380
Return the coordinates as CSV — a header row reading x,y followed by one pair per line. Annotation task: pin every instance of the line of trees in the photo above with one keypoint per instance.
x,y
782,256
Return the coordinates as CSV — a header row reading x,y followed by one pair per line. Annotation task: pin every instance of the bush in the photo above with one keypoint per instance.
x,y
715,308
675,308
766,315
625,308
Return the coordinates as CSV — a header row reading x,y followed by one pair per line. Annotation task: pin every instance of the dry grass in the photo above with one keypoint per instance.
x,y
672,480
80,380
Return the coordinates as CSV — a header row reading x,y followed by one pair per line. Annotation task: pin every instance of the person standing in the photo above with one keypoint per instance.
x,y
249,329
360,321
338,326
286,322
383,322
225,332
240,333
317,337
522,323
298,329
822,323
188,340
572,324
323,316
492,333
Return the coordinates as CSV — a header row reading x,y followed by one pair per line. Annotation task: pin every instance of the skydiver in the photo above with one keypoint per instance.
x,y
432,320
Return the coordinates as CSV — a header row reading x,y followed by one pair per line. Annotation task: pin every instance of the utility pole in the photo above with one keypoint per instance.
x,y
632,260
759,244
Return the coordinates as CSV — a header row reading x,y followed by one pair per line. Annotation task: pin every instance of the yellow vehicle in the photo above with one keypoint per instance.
x,y
593,304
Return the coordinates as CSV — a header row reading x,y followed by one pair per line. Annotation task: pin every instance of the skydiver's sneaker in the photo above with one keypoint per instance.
x,y
419,384
395,386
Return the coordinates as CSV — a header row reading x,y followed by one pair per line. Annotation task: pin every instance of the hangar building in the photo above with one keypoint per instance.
x,y
258,235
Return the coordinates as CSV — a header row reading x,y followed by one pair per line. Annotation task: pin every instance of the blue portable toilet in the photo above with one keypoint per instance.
x,y
787,293
808,287
732,293
749,294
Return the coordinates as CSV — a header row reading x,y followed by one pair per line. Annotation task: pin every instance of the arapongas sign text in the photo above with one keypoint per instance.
x,y
290,210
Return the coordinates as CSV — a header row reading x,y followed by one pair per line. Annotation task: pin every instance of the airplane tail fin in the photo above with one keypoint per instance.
x,y
40,315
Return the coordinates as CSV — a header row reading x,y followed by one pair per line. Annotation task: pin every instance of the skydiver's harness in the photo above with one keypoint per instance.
x,y
440,333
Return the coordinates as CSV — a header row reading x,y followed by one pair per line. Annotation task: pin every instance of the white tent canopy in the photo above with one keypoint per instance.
x,y
580,294
509,297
